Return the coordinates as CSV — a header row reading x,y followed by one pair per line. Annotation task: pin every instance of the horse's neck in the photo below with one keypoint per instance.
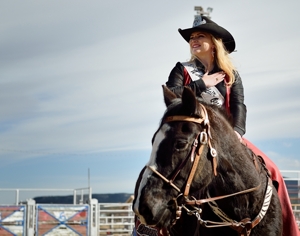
x,y
238,175
236,165
233,179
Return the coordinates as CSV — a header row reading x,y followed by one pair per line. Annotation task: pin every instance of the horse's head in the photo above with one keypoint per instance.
x,y
174,147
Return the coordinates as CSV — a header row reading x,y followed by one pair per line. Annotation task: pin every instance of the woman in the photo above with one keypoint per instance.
x,y
211,74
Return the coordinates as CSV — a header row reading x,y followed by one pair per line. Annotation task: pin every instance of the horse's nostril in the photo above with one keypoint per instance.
x,y
146,213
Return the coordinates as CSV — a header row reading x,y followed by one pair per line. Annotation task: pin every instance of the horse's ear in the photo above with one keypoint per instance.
x,y
189,101
169,96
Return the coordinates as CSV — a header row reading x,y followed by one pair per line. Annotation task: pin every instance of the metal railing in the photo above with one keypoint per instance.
x,y
116,219
80,195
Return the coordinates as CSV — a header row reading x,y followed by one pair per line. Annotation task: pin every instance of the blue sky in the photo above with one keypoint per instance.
x,y
81,84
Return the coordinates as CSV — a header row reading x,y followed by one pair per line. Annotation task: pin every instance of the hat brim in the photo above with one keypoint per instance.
x,y
214,29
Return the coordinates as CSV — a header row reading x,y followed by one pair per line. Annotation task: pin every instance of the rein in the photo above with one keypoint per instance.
x,y
243,227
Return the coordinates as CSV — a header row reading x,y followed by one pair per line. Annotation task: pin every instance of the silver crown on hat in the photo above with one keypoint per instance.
x,y
198,21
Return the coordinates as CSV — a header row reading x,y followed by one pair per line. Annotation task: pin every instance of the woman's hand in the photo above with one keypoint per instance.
x,y
213,79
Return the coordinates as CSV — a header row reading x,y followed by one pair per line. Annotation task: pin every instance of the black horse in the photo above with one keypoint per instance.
x,y
200,180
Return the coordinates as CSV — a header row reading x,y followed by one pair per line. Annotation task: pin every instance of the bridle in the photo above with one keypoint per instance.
x,y
203,138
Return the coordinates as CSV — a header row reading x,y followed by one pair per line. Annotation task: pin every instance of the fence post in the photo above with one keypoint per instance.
x,y
17,197
74,197
94,218
30,217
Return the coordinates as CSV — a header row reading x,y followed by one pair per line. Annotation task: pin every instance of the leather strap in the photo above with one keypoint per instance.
x,y
201,201
192,172
183,118
163,177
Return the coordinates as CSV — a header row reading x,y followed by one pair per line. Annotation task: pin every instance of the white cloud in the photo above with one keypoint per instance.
x,y
285,162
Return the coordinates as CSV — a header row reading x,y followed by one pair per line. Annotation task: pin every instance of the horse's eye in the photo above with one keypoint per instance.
x,y
180,145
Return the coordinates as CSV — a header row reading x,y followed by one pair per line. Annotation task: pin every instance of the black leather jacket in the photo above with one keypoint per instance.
x,y
238,109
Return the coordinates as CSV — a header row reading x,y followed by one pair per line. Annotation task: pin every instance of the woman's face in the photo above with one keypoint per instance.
x,y
201,44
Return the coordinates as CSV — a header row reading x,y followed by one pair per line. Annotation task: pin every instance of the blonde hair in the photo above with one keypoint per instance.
x,y
222,59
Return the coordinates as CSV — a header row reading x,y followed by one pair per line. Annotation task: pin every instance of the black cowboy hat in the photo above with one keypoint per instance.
x,y
202,23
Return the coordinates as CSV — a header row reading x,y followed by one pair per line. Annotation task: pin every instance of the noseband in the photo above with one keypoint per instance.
x,y
204,138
